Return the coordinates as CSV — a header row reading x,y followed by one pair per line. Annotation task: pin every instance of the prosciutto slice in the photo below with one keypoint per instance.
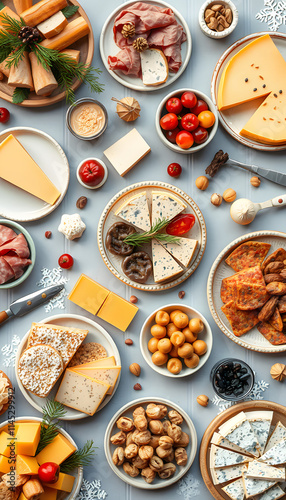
x,y
17,264
6,271
6,234
18,245
127,60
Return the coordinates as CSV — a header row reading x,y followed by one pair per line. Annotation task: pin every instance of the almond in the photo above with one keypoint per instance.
x,y
135,369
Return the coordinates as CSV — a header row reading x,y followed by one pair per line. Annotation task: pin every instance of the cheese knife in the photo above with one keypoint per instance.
x,y
25,304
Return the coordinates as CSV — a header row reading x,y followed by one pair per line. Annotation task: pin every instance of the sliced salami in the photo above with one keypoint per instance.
x,y
18,245
6,271
17,264
6,234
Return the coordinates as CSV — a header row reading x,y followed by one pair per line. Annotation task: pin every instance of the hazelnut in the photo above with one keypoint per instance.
x,y
162,318
133,299
130,469
181,294
203,400
81,202
202,182
216,199
192,362
255,181
174,365
229,195
48,234
181,456
135,369
137,387
153,345
129,342
175,417
148,474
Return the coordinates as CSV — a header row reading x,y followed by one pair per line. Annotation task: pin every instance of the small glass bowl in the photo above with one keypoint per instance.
x,y
248,386
72,108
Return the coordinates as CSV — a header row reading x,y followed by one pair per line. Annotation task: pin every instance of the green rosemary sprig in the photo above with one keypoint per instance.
x,y
70,10
138,239
79,458
50,428
20,95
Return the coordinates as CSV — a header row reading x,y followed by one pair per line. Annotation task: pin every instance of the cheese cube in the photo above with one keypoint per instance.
x,y
5,466
27,437
64,483
88,294
109,375
7,444
49,494
26,465
106,362
22,497
117,311
127,152
57,451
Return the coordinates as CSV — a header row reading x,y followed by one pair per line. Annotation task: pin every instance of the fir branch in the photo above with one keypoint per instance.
x,y
70,10
138,239
1,5
79,458
11,24
16,56
50,428
8,43
20,95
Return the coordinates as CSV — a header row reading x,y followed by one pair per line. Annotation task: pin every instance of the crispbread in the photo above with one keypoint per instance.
x,y
90,351
250,296
240,321
253,275
248,254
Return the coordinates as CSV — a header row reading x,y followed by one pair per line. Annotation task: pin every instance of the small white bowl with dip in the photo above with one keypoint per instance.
x,y
87,119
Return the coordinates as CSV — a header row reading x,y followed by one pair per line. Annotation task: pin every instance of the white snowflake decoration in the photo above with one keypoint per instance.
x,y
54,277
257,393
9,351
188,487
274,14
91,491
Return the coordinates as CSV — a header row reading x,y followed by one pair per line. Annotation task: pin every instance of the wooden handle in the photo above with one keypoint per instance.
x,y
3,316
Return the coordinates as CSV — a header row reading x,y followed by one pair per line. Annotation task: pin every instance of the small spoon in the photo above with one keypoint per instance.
x,y
244,211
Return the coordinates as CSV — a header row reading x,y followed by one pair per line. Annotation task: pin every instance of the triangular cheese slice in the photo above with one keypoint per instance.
x,y
224,458
221,475
254,487
225,443
239,431
183,251
273,493
108,375
260,470
260,422
164,266
136,211
235,490
165,205
275,455
277,435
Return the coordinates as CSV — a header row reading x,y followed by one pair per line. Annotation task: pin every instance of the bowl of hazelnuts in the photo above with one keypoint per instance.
x,y
217,19
176,340
150,443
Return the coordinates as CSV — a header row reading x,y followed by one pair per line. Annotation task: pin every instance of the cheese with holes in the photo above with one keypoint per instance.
x,y
27,436
26,465
154,65
165,205
275,455
260,470
57,451
108,375
18,168
225,443
64,483
164,266
183,251
254,487
88,294
273,493
277,435
239,431
117,311
223,458
235,490
260,422
125,153
106,362
221,475
135,210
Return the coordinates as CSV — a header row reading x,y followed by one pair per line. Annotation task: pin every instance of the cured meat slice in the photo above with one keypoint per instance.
x,y
17,264
169,40
18,245
127,60
6,271
249,254
240,321
250,297
6,234
278,256
253,275
276,321
271,334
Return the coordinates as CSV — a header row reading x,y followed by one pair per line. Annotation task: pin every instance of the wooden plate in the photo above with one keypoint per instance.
x,y
253,339
86,47
279,414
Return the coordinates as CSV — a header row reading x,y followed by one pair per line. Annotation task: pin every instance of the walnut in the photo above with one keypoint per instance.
x,y
162,452
140,44
154,441
118,438
175,432
128,30
118,456
139,463
170,457
156,426
129,438
181,456
130,469
140,422
175,417
255,181
148,474
229,195
125,424
141,438
166,425
131,451
156,463
138,411
274,267
166,442
146,452
153,411
184,440
167,471
278,372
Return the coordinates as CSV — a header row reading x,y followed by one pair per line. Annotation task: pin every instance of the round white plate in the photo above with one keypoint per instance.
x,y
95,334
107,218
253,339
50,157
108,47
234,119
187,426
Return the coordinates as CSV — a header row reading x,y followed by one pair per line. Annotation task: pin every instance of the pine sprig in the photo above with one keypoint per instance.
x,y
70,10
80,458
50,428
20,95
138,239
11,24
16,56
1,5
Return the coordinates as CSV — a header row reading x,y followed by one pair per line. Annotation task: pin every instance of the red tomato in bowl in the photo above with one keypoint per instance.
x,y
184,139
174,105
171,135
181,224
199,107
200,135
189,99
169,121
174,169
190,122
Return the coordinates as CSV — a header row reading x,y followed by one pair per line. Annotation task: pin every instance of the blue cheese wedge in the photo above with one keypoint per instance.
x,y
272,494
235,490
254,487
260,470
275,455
154,65
221,475
165,205
136,211
225,443
260,422
164,266
223,458
239,431
277,435
183,251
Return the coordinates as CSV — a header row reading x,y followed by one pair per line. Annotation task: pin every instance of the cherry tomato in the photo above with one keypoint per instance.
x,y
174,169
4,115
206,119
49,472
169,121
184,139
171,135
65,261
189,99
190,122
200,135
174,105
181,224
91,173
199,107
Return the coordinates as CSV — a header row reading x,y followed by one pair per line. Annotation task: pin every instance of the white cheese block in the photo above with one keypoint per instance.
x,y
125,153
53,25
154,65
253,487
239,431
165,206
272,494
164,266
136,211
223,474
277,435
275,455
108,375
260,470
260,422
235,490
183,251
225,443
81,392
220,457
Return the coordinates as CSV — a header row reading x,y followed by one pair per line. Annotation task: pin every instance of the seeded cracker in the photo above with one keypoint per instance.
x,y
91,351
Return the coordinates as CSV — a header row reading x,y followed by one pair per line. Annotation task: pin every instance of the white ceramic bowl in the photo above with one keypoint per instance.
x,y
217,35
160,112
104,178
20,229
145,336
78,473
139,482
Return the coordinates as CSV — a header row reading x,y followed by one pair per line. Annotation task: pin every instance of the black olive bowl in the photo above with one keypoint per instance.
x,y
234,382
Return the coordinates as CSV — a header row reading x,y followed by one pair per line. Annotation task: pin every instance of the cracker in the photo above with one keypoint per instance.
x,y
253,275
250,296
271,334
249,254
91,351
240,321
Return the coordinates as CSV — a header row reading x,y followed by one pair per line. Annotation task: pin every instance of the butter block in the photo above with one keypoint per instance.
x,y
5,466
49,494
108,375
81,392
26,465
127,152
106,362
88,294
64,483
117,311
27,436
6,443
57,451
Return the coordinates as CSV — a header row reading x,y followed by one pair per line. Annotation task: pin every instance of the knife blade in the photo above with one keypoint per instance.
x,y
29,302
271,175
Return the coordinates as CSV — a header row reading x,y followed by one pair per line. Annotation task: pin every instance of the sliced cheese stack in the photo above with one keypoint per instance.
x,y
108,375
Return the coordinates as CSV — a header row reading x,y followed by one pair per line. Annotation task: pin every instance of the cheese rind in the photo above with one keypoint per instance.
x,y
260,470
277,435
154,65
53,25
165,206
183,251
220,457
164,266
239,431
235,490
221,475
105,362
136,211
108,375
275,455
